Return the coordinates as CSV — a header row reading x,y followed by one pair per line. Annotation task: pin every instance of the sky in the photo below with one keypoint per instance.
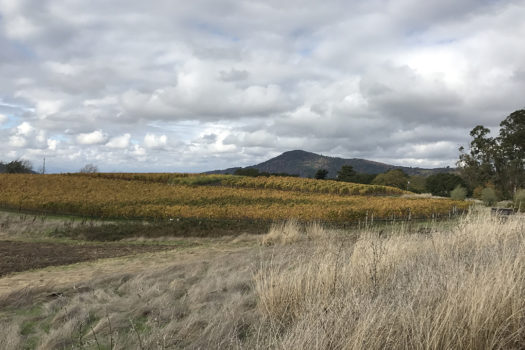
x,y
189,86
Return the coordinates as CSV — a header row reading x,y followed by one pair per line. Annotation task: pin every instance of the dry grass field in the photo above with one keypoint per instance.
x,y
459,285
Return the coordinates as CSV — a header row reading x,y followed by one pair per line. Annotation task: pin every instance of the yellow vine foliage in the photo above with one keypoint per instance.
x,y
119,196
271,182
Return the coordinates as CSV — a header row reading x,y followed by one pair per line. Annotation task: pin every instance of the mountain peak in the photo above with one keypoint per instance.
x,y
300,154
306,164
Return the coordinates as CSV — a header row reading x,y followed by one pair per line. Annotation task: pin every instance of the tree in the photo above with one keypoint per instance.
x,y
395,178
417,184
510,160
89,169
442,184
346,174
19,166
321,174
477,167
362,178
499,160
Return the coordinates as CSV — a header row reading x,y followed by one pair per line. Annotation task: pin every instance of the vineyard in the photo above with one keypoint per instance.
x,y
272,182
173,196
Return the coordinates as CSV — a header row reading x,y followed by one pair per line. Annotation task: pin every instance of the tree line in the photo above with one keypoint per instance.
x,y
496,163
438,184
16,167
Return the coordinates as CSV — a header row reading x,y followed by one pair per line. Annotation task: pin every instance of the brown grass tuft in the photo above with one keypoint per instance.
x,y
292,231
463,289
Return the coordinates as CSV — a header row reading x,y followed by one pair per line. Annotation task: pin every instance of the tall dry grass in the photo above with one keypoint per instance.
x,y
20,225
459,288
463,289
200,304
291,231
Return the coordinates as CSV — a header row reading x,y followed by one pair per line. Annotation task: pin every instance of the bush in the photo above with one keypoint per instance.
x,y
519,200
89,169
477,192
458,193
488,196
442,184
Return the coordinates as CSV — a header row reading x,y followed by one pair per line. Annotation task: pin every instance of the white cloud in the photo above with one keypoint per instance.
x,y
139,153
155,142
119,141
25,129
93,138
3,118
17,141
52,144
45,108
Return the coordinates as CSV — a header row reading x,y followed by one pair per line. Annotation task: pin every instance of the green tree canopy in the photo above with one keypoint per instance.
x,y
443,184
346,174
417,184
395,178
500,160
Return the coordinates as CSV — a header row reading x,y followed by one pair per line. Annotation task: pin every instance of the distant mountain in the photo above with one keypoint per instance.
x,y
305,164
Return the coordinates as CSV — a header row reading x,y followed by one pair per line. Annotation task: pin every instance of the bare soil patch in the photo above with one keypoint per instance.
x,y
21,256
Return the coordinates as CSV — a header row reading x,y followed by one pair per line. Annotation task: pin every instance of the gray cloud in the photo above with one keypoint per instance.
x,y
208,84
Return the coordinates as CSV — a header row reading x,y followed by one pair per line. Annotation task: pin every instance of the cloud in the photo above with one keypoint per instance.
x,y
233,75
209,100
397,81
17,141
93,138
25,129
155,142
52,144
119,141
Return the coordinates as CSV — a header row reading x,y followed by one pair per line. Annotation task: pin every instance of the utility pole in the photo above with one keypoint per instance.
x,y
44,166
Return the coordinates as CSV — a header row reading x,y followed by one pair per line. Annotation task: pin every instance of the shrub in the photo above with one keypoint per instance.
x,y
458,193
89,169
477,192
488,196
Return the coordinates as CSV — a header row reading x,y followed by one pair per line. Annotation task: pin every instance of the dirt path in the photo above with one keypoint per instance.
x,y
55,277
18,256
